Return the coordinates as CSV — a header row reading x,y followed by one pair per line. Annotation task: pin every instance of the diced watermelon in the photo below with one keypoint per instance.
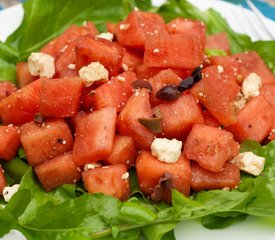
x,y
211,91
124,151
228,177
179,116
108,53
65,65
211,147
231,68
60,97
176,51
251,62
110,180
57,46
115,92
21,106
268,91
133,31
160,80
210,120
138,106
23,74
58,171
9,142
95,136
218,41
3,182
131,59
42,142
111,27
6,89
73,121
187,26
144,72
151,171
254,121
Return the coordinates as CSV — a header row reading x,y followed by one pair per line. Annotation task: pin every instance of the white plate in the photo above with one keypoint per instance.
x,y
190,230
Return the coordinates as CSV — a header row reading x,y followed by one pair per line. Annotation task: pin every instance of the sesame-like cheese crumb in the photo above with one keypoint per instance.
x,y
95,71
249,162
71,66
124,26
156,50
120,78
41,64
125,176
220,69
108,36
166,150
124,67
89,166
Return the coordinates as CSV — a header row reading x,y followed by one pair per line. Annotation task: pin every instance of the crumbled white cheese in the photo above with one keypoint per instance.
x,y
220,69
89,166
249,162
8,192
95,71
125,176
251,86
41,64
108,36
166,150
240,102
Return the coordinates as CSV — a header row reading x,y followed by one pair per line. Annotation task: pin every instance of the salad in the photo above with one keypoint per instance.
x,y
95,143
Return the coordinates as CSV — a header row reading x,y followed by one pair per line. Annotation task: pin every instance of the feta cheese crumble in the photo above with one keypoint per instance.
x,y
95,71
108,36
8,192
166,150
41,64
251,86
240,102
125,176
249,162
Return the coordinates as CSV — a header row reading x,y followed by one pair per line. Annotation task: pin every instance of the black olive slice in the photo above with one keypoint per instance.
x,y
142,84
185,84
168,92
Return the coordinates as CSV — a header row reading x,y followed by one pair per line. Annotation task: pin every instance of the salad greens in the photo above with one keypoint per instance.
x,y
68,212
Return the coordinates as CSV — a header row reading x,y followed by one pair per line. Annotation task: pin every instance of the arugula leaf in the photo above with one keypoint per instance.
x,y
8,59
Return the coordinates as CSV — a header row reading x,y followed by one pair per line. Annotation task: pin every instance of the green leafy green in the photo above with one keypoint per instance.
x,y
68,216
8,59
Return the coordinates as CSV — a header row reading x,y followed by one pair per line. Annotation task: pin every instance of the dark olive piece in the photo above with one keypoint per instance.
x,y
168,92
165,182
38,118
142,84
185,84
197,74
